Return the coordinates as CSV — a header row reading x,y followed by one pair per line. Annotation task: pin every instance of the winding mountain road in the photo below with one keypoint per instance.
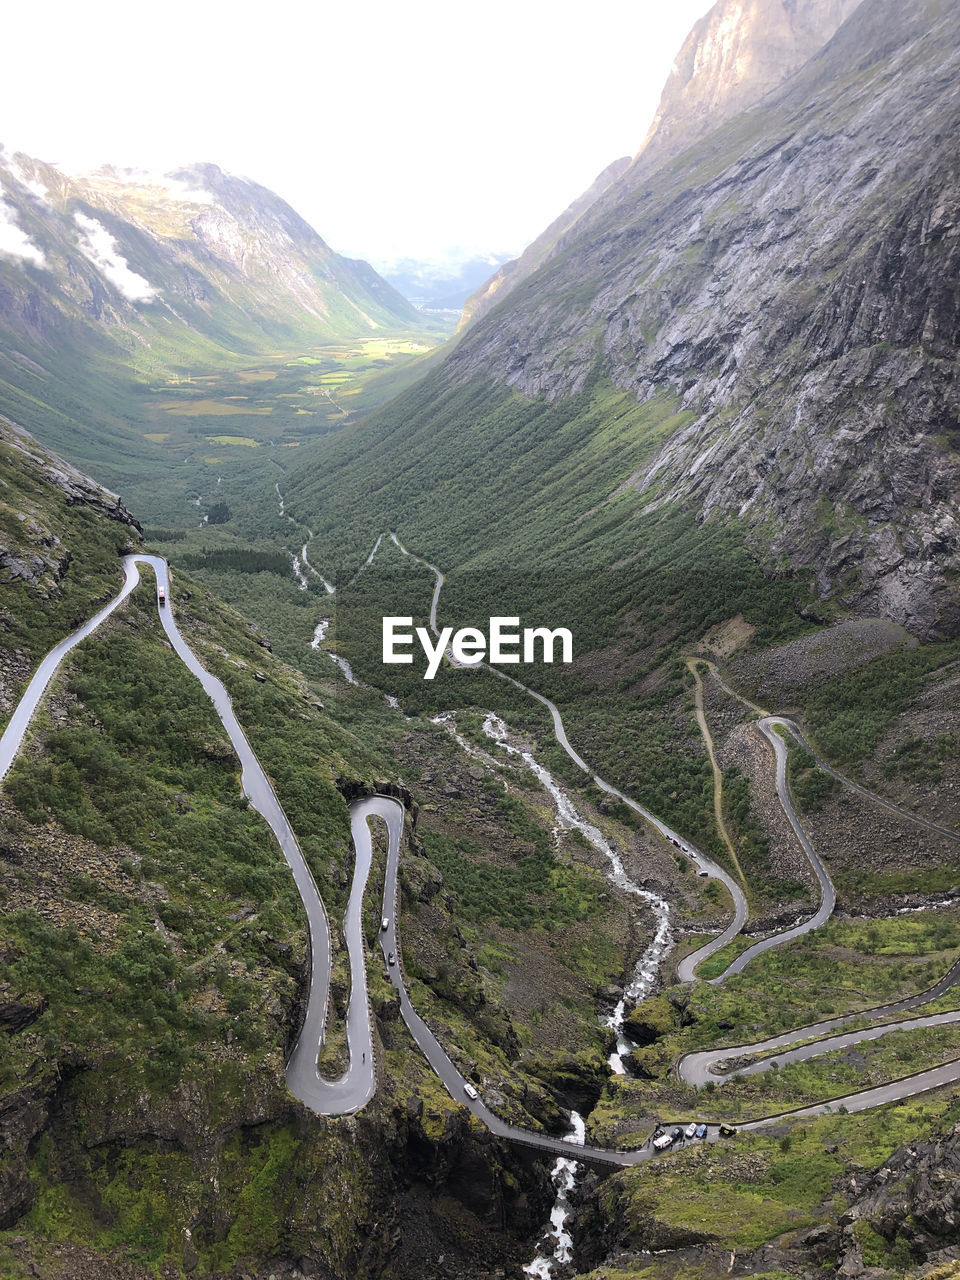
x,y
358,1083
687,966
696,1072
703,863
791,726
828,896
702,1067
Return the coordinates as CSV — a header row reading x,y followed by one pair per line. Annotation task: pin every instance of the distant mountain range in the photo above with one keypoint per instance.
x,y
198,247
110,276
441,284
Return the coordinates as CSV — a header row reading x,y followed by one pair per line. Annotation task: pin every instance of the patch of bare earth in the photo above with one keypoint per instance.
x,y
726,638
773,676
738,742
934,713
858,838
67,1260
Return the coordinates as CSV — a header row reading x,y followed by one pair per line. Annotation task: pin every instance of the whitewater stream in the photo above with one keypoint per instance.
x,y
556,1245
301,563
648,966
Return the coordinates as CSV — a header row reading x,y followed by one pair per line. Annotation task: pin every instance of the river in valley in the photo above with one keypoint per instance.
x,y
556,1244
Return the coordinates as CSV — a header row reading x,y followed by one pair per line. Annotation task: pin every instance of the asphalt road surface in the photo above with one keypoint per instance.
x,y
828,896
358,1083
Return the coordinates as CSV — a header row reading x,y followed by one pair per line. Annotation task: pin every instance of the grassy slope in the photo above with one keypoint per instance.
x,y
519,529
152,924
32,516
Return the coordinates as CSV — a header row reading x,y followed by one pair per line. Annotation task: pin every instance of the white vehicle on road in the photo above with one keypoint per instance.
x,y
661,1143
471,1092
691,1130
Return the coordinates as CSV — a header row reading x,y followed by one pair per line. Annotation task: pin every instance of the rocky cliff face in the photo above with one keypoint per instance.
x,y
736,53
33,548
915,1194
65,478
906,1212
791,279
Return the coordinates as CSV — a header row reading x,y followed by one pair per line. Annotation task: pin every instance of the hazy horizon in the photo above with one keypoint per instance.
x,y
440,134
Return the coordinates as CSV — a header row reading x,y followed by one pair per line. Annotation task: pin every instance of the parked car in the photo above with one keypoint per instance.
x,y
661,1143
691,1130
471,1092
676,842
677,1134
727,1130
701,1130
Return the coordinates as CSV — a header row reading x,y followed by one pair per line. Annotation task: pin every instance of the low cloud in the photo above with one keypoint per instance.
x,y
173,187
14,242
181,190
99,246
33,185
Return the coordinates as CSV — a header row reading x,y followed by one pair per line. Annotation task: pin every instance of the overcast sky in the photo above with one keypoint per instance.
x,y
395,129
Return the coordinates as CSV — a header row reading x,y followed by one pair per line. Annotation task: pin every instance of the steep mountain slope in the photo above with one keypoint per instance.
x,y
47,510
785,287
152,955
736,53
510,274
113,278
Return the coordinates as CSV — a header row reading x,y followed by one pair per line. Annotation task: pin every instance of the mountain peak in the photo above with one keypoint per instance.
x,y
737,53
734,55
